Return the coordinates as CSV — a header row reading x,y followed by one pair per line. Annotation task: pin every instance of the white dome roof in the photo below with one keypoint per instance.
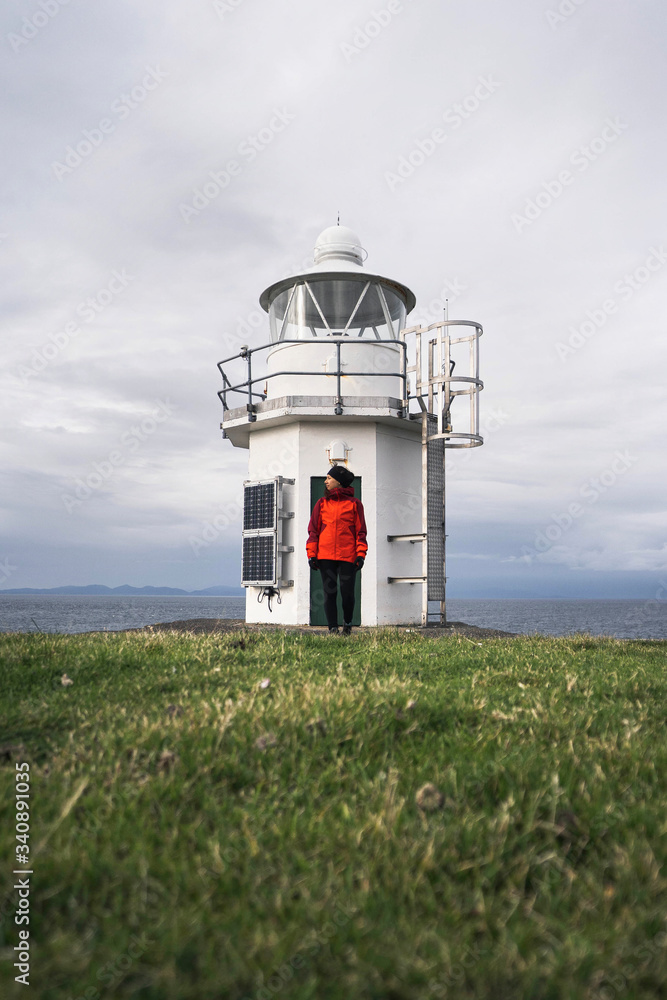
x,y
338,243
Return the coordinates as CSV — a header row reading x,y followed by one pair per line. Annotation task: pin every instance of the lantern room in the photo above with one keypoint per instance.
x,y
336,299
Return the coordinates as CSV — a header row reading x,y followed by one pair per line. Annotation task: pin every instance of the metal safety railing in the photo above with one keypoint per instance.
x,y
245,388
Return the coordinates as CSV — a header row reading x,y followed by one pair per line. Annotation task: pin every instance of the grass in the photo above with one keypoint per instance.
x,y
196,834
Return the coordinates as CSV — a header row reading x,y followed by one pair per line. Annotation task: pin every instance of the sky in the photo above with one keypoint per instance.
x,y
164,162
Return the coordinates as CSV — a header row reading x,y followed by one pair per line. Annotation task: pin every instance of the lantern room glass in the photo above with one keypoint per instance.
x,y
336,307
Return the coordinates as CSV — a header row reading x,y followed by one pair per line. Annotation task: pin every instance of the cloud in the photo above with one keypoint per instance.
x,y
113,301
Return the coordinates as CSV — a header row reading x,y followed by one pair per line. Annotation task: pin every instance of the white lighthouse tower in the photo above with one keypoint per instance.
x,y
335,385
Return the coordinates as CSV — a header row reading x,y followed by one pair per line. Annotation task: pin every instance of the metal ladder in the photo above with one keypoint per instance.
x,y
435,389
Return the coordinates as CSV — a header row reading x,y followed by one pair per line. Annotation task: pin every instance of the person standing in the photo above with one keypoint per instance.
x,y
337,544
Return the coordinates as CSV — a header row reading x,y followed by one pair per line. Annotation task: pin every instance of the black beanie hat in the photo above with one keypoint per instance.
x,y
342,475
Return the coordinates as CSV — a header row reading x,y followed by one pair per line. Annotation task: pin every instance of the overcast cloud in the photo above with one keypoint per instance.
x,y
507,155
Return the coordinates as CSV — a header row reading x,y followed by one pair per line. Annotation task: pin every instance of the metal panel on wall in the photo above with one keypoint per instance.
x,y
263,519
435,491
259,559
259,506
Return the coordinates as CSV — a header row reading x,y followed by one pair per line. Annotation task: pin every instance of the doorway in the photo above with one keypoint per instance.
x,y
317,616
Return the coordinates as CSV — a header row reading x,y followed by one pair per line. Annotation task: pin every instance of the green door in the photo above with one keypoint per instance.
x,y
317,616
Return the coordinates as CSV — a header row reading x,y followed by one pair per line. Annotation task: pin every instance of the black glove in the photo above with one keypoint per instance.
x,y
313,563
359,562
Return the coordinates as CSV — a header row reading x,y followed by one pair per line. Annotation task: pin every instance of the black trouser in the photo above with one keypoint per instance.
x,y
331,570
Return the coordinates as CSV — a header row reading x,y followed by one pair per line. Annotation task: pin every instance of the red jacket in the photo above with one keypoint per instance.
x,y
337,527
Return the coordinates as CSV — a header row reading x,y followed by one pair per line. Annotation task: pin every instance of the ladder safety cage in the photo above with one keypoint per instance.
x,y
263,519
433,384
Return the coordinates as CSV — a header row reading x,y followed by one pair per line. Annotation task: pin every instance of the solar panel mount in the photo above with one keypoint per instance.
x,y
263,518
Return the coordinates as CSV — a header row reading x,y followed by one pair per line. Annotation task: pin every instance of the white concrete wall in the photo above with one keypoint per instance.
x,y
274,451
388,461
398,512
320,355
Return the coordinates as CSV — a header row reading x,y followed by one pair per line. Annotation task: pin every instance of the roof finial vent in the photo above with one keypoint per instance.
x,y
339,243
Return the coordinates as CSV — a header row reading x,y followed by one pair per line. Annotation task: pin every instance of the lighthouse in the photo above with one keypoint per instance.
x,y
342,379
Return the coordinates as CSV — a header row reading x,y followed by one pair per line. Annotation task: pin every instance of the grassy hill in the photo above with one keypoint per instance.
x,y
390,816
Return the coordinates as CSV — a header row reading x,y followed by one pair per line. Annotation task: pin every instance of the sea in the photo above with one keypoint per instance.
x,y
622,619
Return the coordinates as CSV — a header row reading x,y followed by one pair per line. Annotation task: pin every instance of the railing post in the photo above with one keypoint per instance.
x,y
247,354
338,409
404,377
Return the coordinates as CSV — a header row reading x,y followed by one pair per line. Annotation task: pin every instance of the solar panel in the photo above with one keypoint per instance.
x,y
259,559
263,521
259,506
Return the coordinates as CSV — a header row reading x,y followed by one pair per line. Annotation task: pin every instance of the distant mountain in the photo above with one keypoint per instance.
x,y
97,589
